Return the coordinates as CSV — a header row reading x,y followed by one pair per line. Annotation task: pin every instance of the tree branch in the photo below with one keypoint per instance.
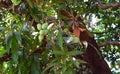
x,y
42,47
8,6
108,5
6,57
110,43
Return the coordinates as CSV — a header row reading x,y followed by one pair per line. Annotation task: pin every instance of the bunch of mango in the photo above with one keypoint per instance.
x,y
42,30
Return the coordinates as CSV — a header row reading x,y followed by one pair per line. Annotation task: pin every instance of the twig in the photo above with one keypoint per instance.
x,y
110,43
108,5
6,57
81,20
42,47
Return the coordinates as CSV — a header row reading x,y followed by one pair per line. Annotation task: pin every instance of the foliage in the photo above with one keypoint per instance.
x,y
38,39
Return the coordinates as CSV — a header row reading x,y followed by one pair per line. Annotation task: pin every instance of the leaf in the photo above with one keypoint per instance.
x,y
70,71
35,10
51,65
76,31
18,37
16,2
8,41
35,68
77,62
14,48
30,3
74,52
58,52
64,68
2,51
60,39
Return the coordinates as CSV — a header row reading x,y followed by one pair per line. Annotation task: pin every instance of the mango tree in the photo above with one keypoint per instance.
x,y
59,36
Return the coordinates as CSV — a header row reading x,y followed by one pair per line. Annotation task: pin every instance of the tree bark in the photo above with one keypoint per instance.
x,y
94,59
92,55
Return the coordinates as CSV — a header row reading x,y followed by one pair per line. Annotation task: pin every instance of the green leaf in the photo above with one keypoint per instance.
x,y
18,37
8,41
49,67
64,68
60,39
14,48
77,62
35,68
70,71
30,3
58,52
74,52
2,51
16,2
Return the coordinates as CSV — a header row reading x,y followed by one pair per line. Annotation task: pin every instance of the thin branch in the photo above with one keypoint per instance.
x,y
108,5
5,57
81,20
6,4
8,7
110,43
42,47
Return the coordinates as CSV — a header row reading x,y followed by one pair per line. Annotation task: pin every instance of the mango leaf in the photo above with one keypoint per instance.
x,y
50,12
81,61
8,41
14,48
51,65
35,9
60,39
76,31
27,40
18,37
70,71
2,51
30,3
77,62
16,2
58,52
64,68
74,53
35,68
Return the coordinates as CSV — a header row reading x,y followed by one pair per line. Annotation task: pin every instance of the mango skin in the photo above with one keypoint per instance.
x,y
42,32
39,26
40,37
44,26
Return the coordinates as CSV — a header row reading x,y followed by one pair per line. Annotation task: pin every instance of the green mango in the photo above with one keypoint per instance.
x,y
44,26
40,37
39,26
42,32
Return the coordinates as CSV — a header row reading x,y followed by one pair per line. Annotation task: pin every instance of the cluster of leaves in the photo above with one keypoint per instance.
x,y
108,30
20,39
